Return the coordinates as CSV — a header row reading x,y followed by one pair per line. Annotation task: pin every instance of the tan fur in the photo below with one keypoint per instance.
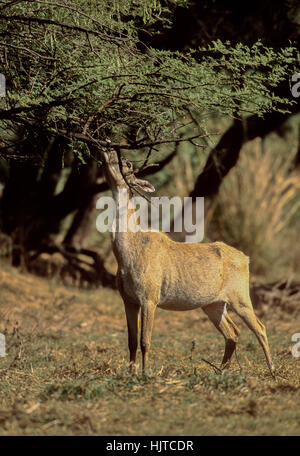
x,y
155,271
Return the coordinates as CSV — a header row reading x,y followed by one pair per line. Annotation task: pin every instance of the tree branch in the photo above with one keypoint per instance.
x,y
77,28
134,145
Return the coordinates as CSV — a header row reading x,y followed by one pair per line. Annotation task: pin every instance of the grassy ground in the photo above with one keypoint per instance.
x,y
66,370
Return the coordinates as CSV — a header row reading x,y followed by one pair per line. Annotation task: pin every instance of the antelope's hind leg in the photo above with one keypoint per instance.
x,y
244,309
218,315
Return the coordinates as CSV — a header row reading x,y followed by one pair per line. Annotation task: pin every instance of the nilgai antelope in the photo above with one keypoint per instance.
x,y
155,271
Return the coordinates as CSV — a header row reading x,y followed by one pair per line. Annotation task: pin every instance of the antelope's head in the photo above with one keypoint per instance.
x,y
119,173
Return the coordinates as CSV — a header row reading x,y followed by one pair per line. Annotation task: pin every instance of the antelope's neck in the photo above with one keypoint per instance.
x,y
124,240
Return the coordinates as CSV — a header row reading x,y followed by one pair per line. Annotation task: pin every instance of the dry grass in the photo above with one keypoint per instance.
x,y
257,204
66,370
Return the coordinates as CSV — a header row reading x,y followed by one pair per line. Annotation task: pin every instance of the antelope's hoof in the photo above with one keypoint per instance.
x,y
273,373
133,368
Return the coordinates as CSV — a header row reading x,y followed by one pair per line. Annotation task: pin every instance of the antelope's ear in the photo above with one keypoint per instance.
x,y
144,185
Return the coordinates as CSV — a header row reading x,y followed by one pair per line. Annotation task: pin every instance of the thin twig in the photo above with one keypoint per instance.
x,y
213,365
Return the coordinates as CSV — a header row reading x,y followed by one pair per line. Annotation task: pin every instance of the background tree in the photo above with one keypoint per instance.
x,y
86,75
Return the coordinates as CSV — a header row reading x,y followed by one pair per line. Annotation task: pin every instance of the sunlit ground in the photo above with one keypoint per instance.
x,y
66,370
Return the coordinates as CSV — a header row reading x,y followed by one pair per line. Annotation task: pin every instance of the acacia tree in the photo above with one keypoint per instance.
x,y
79,78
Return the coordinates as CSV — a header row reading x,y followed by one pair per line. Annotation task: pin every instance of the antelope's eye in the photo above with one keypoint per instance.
x,y
129,164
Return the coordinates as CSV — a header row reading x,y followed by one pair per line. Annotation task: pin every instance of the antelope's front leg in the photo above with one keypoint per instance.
x,y
147,317
132,316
